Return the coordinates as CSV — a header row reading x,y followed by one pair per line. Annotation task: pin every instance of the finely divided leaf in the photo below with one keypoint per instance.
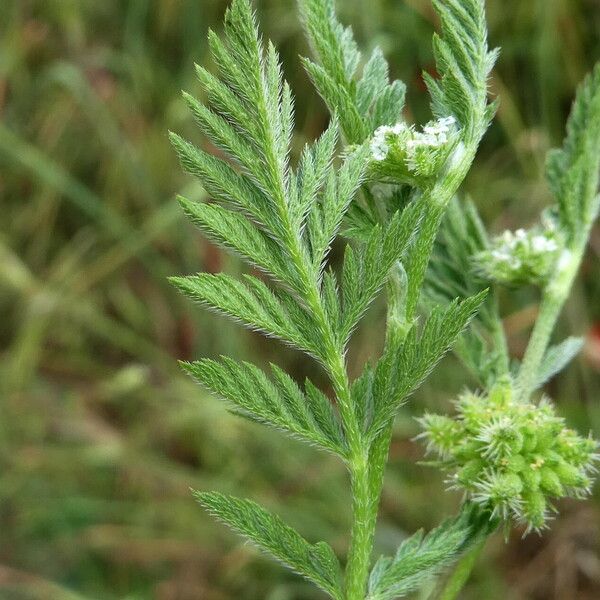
x,y
281,220
364,103
313,170
316,563
574,170
339,100
464,63
233,231
557,358
417,560
404,366
451,274
275,401
326,218
254,304
451,271
366,269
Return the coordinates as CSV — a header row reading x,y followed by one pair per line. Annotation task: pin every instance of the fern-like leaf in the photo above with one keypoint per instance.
x,y
557,358
574,170
422,557
275,401
405,365
366,269
316,563
362,103
417,560
254,304
464,63
451,274
281,220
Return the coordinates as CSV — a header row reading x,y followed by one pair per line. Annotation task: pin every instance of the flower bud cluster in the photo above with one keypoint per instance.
x,y
406,155
520,257
511,457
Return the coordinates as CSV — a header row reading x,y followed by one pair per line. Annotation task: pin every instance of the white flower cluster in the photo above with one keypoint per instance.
x,y
380,146
521,256
434,135
513,245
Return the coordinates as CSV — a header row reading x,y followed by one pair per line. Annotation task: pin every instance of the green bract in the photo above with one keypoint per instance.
x,y
512,457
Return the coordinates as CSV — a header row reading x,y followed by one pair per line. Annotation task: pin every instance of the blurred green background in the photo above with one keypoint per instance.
x,y
101,436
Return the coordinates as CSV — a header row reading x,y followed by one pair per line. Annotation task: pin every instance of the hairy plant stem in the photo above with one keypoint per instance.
x,y
367,466
499,337
367,477
363,530
434,201
553,300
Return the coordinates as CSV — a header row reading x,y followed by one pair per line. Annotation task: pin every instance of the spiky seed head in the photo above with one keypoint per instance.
x,y
509,456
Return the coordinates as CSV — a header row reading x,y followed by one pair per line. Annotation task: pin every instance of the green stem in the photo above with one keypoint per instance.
x,y
363,530
434,202
499,336
367,485
461,573
367,467
553,300
367,480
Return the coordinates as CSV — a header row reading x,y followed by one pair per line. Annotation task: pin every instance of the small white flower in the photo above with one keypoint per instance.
x,y
521,256
399,128
379,145
540,243
420,148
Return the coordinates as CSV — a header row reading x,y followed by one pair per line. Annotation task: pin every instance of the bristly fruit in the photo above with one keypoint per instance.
x,y
509,456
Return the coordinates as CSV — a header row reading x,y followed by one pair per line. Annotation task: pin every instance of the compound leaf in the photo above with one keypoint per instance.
x,y
574,170
405,365
275,401
557,358
362,103
366,269
417,560
316,563
254,304
464,63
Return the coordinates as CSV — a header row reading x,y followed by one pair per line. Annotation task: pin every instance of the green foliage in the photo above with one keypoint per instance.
x,y
365,270
557,357
278,402
452,273
250,118
362,103
459,97
317,562
284,220
574,175
464,64
407,363
574,170
418,559
91,394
